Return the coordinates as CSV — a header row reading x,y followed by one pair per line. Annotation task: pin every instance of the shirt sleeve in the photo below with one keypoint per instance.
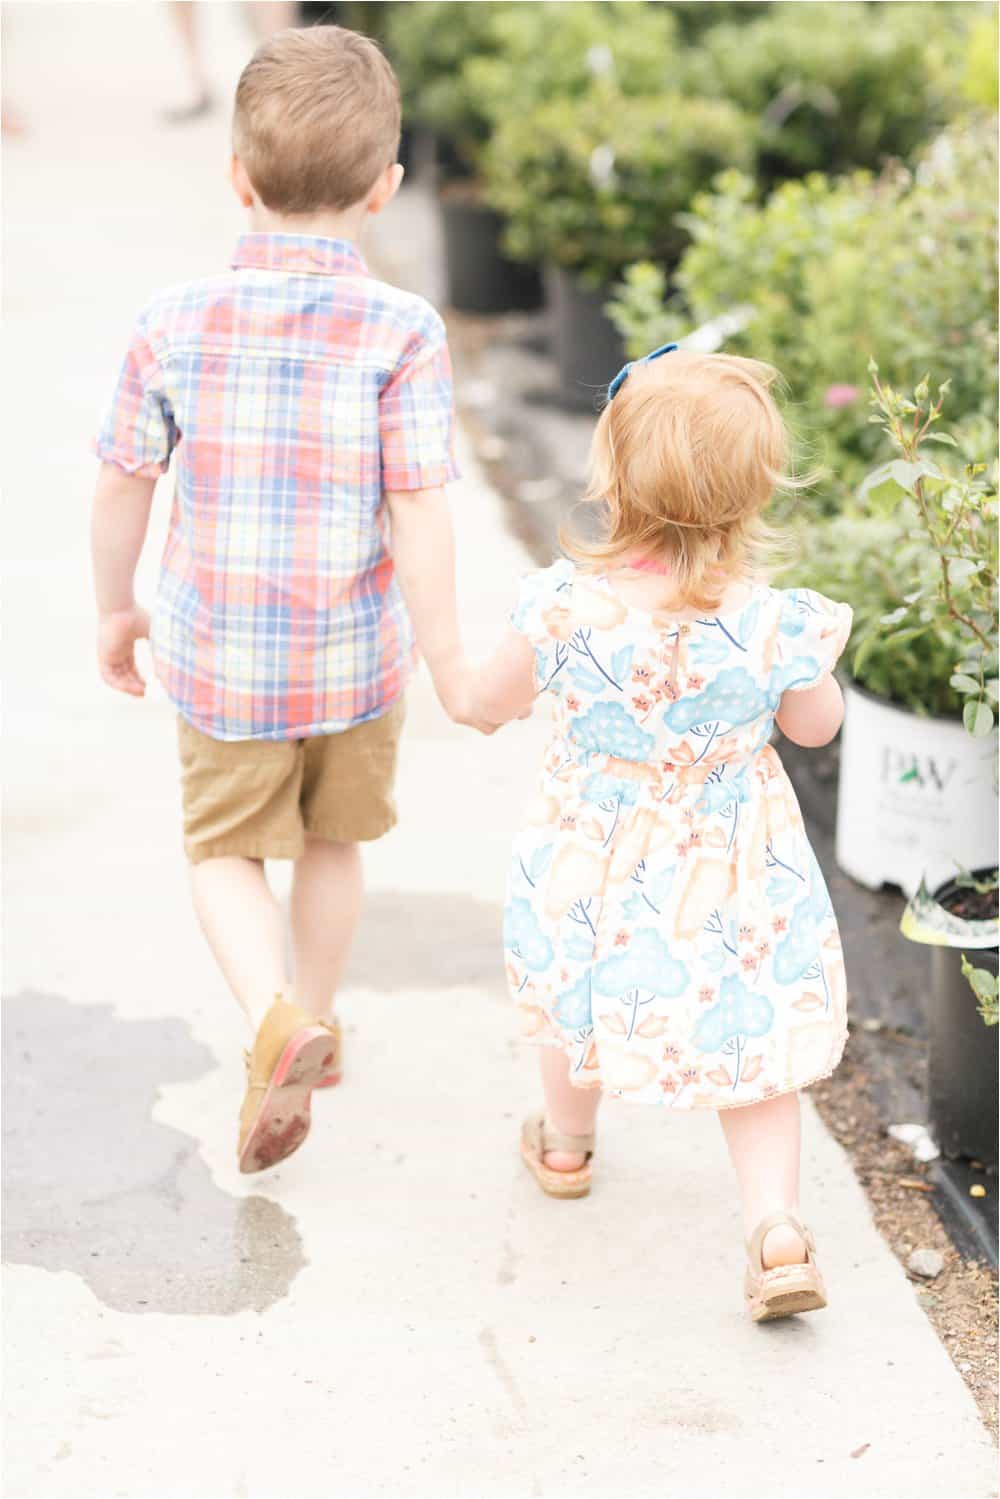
x,y
542,615
417,419
139,431
814,631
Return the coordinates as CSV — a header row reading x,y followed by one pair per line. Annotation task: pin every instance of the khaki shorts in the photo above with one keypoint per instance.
x,y
258,798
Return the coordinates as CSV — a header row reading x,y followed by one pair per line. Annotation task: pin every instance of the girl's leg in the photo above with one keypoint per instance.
x,y
764,1142
245,929
326,903
570,1110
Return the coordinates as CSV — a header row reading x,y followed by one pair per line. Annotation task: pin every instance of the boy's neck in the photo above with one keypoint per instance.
x,y
330,224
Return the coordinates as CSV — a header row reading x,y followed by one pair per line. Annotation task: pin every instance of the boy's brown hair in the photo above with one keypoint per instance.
x,y
317,119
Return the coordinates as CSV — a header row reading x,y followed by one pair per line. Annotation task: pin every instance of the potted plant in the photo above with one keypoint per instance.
x,y
430,44
932,800
916,557
958,918
592,182
954,517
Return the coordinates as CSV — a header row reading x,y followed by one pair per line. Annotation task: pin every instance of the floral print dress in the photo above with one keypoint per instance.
x,y
667,924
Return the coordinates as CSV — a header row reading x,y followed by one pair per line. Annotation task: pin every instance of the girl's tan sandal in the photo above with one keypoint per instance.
x,y
786,1289
536,1139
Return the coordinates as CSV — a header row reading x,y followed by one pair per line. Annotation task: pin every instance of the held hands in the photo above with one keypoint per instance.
x,y
459,691
456,685
117,634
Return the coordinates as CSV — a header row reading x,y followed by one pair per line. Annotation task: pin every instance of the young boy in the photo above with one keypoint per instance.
x,y
309,406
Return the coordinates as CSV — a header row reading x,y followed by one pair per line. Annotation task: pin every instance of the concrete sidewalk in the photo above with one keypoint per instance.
x,y
396,1311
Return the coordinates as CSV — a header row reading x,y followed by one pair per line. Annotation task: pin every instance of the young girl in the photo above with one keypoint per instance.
x,y
669,935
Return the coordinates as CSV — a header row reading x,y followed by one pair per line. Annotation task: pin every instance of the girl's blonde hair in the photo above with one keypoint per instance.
x,y
684,459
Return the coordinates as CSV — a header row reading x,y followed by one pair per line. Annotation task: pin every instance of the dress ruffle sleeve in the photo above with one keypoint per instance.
x,y
814,631
541,615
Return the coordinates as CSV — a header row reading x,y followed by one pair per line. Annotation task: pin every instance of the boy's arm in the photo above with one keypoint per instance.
x,y
423,552
812,717
118,526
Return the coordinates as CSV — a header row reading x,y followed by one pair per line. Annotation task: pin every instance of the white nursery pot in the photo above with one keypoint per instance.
x,y
917,796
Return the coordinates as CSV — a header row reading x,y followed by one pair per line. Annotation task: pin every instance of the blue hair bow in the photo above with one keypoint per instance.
x,y
627,369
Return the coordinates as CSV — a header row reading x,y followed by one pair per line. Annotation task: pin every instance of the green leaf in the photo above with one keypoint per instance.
x,y
961,569
986,989
962,683
993,689
906,474
944,437
978,718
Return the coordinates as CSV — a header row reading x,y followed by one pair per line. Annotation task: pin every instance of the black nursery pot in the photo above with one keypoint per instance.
x,y
962,1073
480,278
587,346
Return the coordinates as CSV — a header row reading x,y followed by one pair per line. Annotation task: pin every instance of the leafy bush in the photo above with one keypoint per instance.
x,y
593,182
546,51
832,86
915,554
430,43
827,274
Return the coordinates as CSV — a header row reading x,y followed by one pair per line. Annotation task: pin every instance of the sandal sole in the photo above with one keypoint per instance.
x,y
566,1184
799,1293
283,1121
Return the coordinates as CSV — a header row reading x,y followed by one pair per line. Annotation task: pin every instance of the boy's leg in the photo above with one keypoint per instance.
x,y
326,903
346,799
244,927
764,1146
570,1111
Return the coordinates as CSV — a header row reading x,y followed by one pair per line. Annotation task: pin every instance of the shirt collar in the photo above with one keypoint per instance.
x,y
310,254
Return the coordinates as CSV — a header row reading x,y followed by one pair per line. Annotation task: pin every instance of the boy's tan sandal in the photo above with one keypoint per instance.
x,y
292,1054
536,1139
785,1289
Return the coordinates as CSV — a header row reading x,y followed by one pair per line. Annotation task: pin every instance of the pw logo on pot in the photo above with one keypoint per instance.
x,y
907,770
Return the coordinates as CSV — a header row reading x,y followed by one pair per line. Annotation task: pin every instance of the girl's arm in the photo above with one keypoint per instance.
x,y
506,682
812,717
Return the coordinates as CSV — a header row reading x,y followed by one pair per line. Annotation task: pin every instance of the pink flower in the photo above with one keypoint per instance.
x,y
572,703
780,923
706,994
696,683
641,704
621,939
671,1054
668,1084
748,961
840,395
690,1075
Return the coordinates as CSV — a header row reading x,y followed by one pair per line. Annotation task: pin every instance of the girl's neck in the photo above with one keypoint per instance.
x,y
643,582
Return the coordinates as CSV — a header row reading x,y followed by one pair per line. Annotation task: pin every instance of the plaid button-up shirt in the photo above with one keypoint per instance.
x,y
296,389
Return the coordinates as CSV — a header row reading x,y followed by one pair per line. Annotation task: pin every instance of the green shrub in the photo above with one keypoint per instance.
x,y
832,273
546,51
592,182
832,86
915,555
430,42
